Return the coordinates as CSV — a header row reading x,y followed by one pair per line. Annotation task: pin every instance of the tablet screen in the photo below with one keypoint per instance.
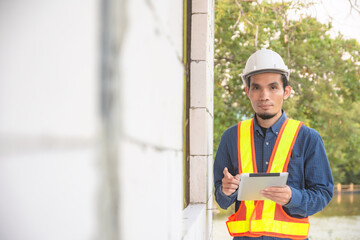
x,y
252,183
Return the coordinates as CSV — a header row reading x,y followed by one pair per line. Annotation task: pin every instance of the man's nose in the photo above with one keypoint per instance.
x,y
264,94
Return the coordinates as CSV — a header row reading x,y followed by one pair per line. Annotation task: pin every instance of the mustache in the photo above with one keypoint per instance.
x,y
265,104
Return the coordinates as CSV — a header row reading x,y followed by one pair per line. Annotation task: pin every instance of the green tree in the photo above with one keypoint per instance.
x,y
324,74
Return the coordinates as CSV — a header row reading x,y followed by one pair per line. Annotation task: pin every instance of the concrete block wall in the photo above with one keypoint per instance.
x,y
201,118
53,157
49,120
56,145
151,151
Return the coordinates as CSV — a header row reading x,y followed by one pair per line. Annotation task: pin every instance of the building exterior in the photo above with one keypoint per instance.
x,y
106,119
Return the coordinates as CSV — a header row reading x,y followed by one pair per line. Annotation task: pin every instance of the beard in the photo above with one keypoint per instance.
x,y
266,116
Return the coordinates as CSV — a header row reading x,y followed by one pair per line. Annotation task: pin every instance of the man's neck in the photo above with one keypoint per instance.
x,y
266,123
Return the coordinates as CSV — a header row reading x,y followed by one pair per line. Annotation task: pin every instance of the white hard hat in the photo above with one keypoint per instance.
x,y
262,61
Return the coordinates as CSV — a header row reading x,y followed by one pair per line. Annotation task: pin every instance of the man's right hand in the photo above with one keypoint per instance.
x,y
229,182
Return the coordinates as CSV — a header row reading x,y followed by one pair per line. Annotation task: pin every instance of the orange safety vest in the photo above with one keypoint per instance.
x,y
265,217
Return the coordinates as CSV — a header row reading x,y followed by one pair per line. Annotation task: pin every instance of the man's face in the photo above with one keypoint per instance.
x,y
266,94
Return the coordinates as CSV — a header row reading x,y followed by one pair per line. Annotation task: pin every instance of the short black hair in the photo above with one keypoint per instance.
x,y
284,80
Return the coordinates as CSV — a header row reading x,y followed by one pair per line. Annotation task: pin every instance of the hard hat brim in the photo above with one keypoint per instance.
x,y
268,71
280,71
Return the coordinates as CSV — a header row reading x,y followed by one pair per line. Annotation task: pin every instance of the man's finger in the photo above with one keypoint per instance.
x,y
231,180
271,195
228,189
233,184
280,195
275,189
226,173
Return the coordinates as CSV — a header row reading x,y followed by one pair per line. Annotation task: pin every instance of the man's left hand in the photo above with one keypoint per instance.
x,y
280,195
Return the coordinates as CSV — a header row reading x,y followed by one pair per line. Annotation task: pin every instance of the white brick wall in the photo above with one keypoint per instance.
x,y
201,120
49,121
152,98
53,168
201,88
152,73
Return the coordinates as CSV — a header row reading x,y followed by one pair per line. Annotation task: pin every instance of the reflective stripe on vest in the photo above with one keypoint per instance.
x,y
256,218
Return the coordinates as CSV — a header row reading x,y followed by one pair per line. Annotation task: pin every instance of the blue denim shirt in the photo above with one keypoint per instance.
x,y
310,177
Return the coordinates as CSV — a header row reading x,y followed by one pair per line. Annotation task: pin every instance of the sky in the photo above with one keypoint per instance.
x,y
344,19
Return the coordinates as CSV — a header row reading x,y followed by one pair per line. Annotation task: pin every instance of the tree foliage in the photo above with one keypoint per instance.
x,y
324,74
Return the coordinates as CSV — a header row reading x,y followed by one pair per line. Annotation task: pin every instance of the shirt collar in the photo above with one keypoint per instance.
x,y
274,128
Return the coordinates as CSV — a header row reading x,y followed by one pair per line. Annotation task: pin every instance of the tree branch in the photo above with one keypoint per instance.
x,y
240,12
256,36
354,5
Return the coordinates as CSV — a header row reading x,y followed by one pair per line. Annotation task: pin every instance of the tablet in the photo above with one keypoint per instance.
x,y
252,183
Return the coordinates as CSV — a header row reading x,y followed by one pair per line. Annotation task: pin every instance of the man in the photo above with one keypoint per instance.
x,y
272,143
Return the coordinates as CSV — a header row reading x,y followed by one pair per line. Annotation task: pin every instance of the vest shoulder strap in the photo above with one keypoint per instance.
x,y
281,152
284,144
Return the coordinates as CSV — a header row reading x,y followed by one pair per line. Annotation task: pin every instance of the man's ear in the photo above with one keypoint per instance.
x,y
287,92
247,90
